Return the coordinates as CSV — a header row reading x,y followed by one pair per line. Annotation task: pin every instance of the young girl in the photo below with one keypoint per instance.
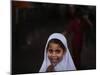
x,y
56,55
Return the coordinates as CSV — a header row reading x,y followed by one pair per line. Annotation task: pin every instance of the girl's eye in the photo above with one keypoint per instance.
x,y
58,51
50,50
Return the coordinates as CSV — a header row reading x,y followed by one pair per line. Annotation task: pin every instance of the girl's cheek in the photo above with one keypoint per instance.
x,y
49,54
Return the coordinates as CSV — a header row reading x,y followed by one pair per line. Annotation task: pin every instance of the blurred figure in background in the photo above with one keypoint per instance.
x,y
75,31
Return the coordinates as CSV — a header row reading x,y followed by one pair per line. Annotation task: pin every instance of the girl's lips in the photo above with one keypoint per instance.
x,y
54,60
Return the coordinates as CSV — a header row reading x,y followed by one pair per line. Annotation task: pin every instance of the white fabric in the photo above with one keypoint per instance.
x,y
66,63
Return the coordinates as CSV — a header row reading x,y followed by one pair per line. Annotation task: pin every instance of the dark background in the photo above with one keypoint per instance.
x,y
33,22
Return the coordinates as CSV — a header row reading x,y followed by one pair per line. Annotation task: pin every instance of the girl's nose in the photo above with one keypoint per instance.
x,y
54,54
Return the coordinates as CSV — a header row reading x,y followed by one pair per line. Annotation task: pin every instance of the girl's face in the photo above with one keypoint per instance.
x,y
55,53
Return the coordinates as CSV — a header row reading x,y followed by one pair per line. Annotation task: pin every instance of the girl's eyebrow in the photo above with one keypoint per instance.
x,y
55,49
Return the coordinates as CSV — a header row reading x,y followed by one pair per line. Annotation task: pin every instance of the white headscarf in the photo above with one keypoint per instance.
x,y
66,63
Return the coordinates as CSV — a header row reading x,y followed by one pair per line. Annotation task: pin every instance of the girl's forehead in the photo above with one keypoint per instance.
x,y
54,45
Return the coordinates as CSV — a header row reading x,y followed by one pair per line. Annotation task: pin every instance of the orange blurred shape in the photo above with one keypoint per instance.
x,y
21,4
